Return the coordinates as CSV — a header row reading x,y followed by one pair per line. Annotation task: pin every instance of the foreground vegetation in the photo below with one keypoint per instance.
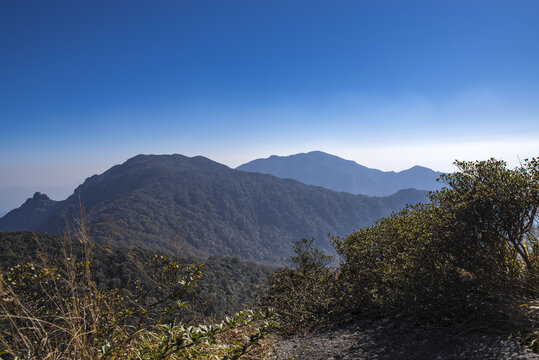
x,y
66,306
470,258
227,286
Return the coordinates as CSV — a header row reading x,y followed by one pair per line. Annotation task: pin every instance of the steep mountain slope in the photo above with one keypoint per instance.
x,y
199,207
332,172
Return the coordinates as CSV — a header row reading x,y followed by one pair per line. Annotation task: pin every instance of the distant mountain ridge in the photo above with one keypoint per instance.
x,y
13,196
199,207
335,173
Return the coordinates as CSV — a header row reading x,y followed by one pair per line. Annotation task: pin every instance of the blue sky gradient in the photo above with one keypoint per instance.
x,y
85,85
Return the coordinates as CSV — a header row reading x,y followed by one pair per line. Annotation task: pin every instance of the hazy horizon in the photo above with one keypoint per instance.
x,y
389,85
14,195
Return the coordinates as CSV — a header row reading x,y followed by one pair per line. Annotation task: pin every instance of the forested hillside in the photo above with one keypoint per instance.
x,y
199,207
228,284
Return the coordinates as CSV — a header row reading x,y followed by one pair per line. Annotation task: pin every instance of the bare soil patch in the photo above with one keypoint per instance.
x,y
400,340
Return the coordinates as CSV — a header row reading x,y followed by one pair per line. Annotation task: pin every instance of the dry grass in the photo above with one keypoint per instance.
x,y
53,310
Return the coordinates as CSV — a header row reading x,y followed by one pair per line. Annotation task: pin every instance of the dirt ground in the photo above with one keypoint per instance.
x,y
399,340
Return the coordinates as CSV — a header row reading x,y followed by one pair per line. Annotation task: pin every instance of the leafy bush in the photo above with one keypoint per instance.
x,y
397,266
227,286
304,294
493,215
55,310
470,256
470,252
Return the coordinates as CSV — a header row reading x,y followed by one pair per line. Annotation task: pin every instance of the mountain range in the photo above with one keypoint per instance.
x,y
196,206
335,173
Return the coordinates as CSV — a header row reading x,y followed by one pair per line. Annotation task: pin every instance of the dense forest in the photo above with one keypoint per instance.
x,y
227,286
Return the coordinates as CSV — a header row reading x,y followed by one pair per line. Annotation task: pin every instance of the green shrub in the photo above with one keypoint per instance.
x,y
396,267
470,256
55,310
304,294
472,252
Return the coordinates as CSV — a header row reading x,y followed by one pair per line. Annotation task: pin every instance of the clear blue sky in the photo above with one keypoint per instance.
x,y
87,84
